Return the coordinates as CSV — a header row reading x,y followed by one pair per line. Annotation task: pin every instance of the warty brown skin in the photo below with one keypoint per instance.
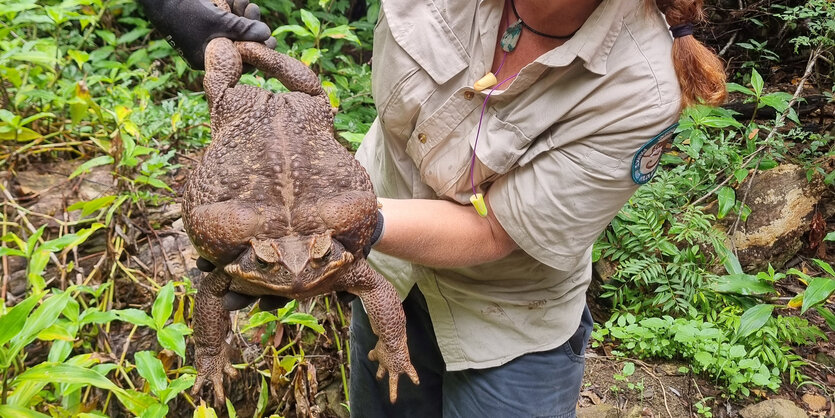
x,y
281,208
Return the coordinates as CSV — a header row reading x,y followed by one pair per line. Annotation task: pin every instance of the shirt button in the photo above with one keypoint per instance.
x,y
469,95
422,138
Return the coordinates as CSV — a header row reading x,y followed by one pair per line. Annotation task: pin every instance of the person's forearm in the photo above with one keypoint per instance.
x,y
440,233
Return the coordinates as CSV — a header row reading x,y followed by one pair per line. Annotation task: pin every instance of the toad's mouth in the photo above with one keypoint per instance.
x,y
296,287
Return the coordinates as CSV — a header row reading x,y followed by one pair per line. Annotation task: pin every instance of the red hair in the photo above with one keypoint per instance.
x,y
700,72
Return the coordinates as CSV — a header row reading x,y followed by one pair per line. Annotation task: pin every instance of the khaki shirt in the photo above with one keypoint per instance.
x,y
555,152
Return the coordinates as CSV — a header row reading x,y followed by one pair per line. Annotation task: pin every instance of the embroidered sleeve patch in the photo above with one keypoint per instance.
x,y
647,158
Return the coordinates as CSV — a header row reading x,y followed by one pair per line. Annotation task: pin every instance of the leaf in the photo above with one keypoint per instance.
x,y
740,174
310,56
163,305
172,339
628,369
303,319
12,322
88,207
95,162
295,29
21,134
203,411
150,368
818,291
756,82
741,284
80,57
44,316
259,319
135,316
153,181
17,411
727,200
311,22
263,397
753,319
825,266
827,315
733,87
341,32
177,386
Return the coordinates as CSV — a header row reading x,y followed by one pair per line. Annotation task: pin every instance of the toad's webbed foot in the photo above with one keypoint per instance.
x,y
394,361
212,364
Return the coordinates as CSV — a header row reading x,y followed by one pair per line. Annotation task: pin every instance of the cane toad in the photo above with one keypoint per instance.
x,y
281,208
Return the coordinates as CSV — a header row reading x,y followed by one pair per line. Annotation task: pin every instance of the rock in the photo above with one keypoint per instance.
x,y
782,202
330,399
773,408
603,410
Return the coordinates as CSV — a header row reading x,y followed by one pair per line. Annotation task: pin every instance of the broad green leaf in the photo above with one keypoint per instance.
x,y
310,56
163,305
263,397
303,319
740,174
177,386
12,322
89,206
133,35
203,411
737,351
21,134
80,57
311,22
172,339
341,32
819,289
22,412
741,284
4,251
95,162
96,317
259,319
295,29
628,369
733,87
756,82
704,358
825,266
151,369
827,315
153,181
156,410
333,93
727,200
230,409
135,316
42,317
753,319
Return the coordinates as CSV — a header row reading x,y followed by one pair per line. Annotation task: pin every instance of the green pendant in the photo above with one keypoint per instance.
x,y
511,36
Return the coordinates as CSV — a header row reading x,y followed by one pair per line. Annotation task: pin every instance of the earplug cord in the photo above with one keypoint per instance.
x,y
481,119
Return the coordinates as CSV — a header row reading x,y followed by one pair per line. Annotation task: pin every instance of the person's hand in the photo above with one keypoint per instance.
x,y
189,25
233,301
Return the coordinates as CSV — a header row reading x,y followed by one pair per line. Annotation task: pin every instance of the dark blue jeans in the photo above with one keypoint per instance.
x,y
542,384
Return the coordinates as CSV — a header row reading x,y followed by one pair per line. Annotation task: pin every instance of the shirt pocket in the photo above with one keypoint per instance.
x,y
415,52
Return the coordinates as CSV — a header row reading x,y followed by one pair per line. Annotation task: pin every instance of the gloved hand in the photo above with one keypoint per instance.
x,y
232,301
189,25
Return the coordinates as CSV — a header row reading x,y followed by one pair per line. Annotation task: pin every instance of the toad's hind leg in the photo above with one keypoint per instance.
x,y
385,312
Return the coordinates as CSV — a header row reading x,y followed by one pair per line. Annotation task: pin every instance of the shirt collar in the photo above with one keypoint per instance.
x,y
593,42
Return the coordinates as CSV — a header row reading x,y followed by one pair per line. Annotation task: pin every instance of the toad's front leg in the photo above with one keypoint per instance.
x,y
211,326
385,312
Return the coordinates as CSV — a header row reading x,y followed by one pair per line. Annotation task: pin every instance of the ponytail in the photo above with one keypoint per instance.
x,y
700,73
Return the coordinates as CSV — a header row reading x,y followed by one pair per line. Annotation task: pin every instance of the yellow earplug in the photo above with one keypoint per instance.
x,y
478,203
488,80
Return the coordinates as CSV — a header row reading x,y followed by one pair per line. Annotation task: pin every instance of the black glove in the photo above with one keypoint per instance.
x,y
189,25
232,301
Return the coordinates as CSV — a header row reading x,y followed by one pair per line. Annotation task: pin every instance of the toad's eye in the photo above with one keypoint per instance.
x,y
261,263
327,253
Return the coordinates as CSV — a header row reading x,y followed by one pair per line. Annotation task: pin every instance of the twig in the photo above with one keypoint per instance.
x,y
780,120
728,45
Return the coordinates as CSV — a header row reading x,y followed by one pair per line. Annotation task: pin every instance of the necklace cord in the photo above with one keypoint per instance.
x,y
525,25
